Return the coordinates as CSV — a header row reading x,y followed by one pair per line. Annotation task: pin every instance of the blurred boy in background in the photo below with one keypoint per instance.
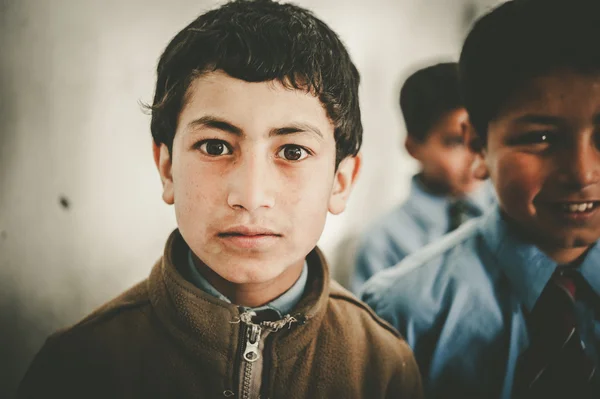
x,y
444,193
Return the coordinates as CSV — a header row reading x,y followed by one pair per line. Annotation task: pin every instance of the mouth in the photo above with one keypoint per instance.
x,y
248,231
249,237
574,213
578,207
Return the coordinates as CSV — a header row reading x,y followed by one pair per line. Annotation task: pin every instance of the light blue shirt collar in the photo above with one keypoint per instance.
x,y
282,305
433,208
527,267
590,268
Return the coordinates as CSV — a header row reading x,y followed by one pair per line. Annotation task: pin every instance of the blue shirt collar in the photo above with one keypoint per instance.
x,y
590,268
528,269
433,208
282,304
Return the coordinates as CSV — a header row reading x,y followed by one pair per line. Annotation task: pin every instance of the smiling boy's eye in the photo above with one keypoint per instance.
x,y
214,148
529,138
293,153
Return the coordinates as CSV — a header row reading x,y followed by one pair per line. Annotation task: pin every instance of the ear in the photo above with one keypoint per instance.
x,y
162,159
412,147
477,147
344,180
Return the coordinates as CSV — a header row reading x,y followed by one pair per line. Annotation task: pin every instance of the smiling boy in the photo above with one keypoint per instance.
x,y
256,129
510,305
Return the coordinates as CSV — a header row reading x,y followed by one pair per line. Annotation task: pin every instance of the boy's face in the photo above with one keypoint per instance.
x,y
445,159
252,176
543,156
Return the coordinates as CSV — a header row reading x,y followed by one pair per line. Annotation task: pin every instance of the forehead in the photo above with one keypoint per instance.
x,y
563,93
252,106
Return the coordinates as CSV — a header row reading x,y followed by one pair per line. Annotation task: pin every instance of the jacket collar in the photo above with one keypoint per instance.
x,y
209,328
281,305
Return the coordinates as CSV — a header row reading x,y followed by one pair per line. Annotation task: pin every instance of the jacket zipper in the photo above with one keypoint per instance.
x,y
253,367
251,355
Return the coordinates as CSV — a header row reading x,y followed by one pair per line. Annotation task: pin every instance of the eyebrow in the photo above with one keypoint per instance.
x,y
296,128
213,122
539,119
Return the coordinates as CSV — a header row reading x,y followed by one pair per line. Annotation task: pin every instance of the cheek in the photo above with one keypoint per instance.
x,y
455,162
195,184
306,191
518,179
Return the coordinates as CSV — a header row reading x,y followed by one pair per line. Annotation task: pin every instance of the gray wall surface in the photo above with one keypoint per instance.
x,y
81,215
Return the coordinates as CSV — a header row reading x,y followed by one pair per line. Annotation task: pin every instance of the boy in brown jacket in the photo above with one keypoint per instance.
x,y
256,128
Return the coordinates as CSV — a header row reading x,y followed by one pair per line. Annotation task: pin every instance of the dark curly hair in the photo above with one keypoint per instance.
x,y
256,41
520,40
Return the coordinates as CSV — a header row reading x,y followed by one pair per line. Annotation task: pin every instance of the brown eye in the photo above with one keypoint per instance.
x,y
214,148
293,153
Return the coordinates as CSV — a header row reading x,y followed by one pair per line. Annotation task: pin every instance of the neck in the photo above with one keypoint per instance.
x,y
252,294
433,186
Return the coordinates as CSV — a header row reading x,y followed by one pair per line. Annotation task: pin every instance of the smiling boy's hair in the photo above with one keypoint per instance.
x,y
520,40
257,41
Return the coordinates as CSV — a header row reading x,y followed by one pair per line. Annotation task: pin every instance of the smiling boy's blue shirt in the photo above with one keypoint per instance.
x,y
461,301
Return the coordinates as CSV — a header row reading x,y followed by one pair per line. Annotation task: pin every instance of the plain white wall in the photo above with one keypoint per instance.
x,y
71,75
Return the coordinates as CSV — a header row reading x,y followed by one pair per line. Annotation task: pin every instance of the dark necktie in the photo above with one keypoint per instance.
x,y
458,213
556,364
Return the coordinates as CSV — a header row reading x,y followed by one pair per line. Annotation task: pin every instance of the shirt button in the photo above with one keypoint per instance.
x,y
228,393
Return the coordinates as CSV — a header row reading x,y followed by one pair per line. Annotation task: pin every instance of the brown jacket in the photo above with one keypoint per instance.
x,y
166,338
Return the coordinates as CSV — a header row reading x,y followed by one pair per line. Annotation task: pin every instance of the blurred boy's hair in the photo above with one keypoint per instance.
x,y
258,41
521,40
427,95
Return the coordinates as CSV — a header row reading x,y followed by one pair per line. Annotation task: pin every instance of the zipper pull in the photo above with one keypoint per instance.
x,y
251,353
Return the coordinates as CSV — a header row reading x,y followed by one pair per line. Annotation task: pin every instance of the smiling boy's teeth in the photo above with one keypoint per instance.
x,y
579,207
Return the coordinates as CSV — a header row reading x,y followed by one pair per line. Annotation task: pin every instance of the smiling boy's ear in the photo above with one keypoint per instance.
x,y
477,146
162,159
345,177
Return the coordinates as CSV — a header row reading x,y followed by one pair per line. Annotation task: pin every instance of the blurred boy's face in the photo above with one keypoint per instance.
x,y
445,159
544,159
252,177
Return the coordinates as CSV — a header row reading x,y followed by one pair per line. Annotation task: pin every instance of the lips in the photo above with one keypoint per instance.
x,y
248,231
249,238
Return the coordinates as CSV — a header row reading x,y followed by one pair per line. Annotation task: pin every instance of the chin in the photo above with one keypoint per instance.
x,y
571,240
580,241
251,273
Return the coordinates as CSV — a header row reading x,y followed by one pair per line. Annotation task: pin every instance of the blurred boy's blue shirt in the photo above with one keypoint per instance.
x,y
460,304
421,219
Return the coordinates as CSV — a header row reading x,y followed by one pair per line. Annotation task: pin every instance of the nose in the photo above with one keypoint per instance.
x,y
251,184
581,166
